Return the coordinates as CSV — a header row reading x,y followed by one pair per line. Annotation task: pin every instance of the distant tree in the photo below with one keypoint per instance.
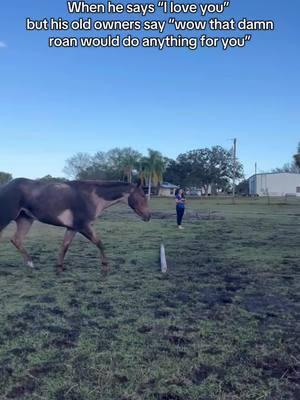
x,y
297,157
175,172
49,178
5,177
293,167
103,166
123,162
207,168
288,167
130,160
152,169
243,187
115,164
76,164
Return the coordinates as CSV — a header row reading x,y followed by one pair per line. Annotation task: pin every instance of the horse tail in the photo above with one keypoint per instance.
x,y
10,202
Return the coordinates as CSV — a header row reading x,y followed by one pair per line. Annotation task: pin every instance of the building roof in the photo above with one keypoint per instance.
x,y
167,185
274,173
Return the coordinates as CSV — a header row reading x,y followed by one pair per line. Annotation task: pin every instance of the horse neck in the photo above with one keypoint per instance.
x,y
108,203
103,200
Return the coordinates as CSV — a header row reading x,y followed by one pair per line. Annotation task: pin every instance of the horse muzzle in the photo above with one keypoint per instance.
x,y
147,217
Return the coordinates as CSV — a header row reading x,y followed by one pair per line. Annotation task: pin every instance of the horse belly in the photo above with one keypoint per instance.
x,y
59,205
66,218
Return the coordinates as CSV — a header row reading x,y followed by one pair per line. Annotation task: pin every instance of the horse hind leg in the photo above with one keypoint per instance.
x,y
24,224
4,222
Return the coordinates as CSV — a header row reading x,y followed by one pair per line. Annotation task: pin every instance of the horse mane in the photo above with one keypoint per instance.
x,y
109,190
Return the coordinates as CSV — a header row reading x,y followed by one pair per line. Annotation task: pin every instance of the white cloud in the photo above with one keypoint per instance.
x,y
2,45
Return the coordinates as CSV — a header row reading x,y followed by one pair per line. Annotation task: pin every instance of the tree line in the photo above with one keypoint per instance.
x,y
201,168
293,166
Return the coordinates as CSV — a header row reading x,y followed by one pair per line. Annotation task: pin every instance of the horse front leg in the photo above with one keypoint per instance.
x,y
69,236
90,234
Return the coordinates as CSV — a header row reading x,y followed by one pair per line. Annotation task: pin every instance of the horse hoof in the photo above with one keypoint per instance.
x,y
59,269
104,272
30,264
105,268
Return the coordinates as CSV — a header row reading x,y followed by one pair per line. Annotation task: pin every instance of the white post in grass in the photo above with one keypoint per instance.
x,y
163,261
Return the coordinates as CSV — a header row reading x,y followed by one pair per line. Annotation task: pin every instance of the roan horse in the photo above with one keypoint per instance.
x,y
74,205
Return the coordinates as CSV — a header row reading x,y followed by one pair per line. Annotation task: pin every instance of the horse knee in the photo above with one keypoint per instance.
x,y
16,242
100,245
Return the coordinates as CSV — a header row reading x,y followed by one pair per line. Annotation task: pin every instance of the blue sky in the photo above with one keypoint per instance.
x,y
56,102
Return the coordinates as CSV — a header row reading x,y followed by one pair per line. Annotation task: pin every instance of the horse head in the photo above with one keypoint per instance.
x,y
137,200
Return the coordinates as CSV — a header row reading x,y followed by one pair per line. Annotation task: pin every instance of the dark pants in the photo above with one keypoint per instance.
x,y
180,212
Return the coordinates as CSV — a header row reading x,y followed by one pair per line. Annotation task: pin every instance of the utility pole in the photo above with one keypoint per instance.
x,y
234,170
256,168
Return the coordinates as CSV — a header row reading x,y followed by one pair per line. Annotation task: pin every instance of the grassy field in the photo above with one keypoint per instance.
x,y
223,324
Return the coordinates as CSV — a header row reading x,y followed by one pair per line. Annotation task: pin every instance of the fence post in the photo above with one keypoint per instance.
x,y
163,261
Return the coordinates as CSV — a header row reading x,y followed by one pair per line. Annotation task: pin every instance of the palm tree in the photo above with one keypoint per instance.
x,y
152,168
129,161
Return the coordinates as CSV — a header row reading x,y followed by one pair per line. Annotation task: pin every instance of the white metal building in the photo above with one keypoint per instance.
x,y
274,184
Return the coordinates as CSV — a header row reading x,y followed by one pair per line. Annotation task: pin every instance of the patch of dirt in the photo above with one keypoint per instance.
x,y
173,328
119,260
184,297
66,394
41,370
188,216
5,372
24,388
161,314
56,329
103,306
267,303
234,283
169,396
170,303
275,368
97,292
22,351
178,340
74,303
55,311
67,337
145,329
5,273
46,299
120,378
28,320
202,372
47,285
63,343
209,296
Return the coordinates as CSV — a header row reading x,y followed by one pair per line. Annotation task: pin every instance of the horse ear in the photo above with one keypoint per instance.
x,y
139,183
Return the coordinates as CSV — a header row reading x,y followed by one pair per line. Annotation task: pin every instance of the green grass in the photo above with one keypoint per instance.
x,y
223,324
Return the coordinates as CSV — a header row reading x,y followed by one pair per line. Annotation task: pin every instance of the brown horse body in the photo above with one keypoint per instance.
x,y
74,205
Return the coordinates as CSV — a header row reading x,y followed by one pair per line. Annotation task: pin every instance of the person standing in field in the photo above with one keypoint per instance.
x,y
180,206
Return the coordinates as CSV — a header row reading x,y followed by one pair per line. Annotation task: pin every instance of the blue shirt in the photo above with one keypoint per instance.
x,y
178,198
